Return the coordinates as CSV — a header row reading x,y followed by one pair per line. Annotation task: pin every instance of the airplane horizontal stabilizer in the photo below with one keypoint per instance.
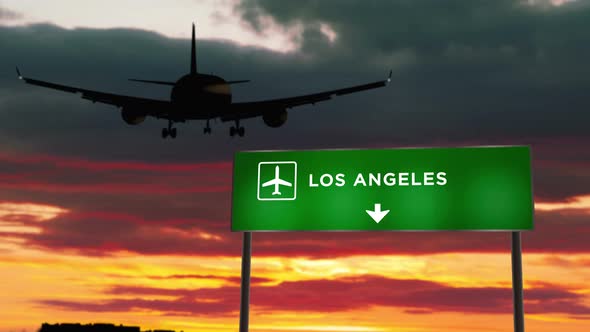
x,y
152,82
236,82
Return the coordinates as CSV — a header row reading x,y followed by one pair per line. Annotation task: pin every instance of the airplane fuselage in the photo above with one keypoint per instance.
x,y
200,96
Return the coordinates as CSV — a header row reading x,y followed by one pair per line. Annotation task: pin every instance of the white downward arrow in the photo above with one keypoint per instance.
x,y
377,215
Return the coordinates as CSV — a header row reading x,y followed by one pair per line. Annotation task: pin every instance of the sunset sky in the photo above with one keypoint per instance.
x,y
104,222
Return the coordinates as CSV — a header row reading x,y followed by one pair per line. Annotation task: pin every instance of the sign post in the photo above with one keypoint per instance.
x,y
418,189
245,286
517,283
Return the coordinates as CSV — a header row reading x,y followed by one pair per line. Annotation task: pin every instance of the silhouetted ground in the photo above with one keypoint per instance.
x,y
96,327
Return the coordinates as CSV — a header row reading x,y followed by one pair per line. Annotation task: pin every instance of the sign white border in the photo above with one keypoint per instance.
x,y
258,184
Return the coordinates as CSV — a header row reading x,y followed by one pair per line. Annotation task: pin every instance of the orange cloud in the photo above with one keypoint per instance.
x,y
21,217
575,203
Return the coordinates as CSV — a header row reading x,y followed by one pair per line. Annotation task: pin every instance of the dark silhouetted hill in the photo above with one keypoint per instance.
x,y
96,327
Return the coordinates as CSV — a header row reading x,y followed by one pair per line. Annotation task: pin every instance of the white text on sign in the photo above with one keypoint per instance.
x,y
378,179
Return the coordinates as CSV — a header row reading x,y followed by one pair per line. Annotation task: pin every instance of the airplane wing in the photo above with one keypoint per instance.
x,y
284,183
270,183
246,110
153,107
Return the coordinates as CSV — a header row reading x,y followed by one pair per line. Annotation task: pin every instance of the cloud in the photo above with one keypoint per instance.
x,y
184,209
164,208
457,81
171,308
234,280
414,296
484,69
522,81
55,174
7,14
570,263
93,233
99,233
474,73
464,81
471,26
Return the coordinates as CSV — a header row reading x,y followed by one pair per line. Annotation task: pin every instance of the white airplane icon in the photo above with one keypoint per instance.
x,y
277,182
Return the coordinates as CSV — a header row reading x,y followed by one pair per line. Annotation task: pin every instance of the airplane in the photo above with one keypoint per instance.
x,y
197,96
277,181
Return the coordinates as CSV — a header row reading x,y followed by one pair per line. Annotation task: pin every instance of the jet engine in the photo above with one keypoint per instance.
x,y
132,116
275,119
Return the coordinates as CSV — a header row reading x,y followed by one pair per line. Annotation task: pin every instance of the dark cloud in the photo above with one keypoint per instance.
x,y
104,234
152,208
466,73
474,72
561,169
36,119
481,70
171,308
473,28
55,174
94,233
7,14
415,296
477,71
184,208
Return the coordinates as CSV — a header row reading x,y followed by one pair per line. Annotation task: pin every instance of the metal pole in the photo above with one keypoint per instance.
x,y
245,288
517,283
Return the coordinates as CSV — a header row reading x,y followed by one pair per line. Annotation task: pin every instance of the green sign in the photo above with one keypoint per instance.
x,y
473,188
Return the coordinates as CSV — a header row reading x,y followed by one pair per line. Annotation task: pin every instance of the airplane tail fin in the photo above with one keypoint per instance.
x,y
193,54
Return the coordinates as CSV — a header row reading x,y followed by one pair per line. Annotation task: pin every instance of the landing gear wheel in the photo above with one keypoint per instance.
x,y
207,129
241,131
164,132
232,131
173,133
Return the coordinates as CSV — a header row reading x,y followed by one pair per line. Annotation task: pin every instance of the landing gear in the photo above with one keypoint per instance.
x,y
207,129
237,130
169,131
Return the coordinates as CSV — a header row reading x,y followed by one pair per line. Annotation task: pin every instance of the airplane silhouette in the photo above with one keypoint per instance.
x,y
277,181
198,96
